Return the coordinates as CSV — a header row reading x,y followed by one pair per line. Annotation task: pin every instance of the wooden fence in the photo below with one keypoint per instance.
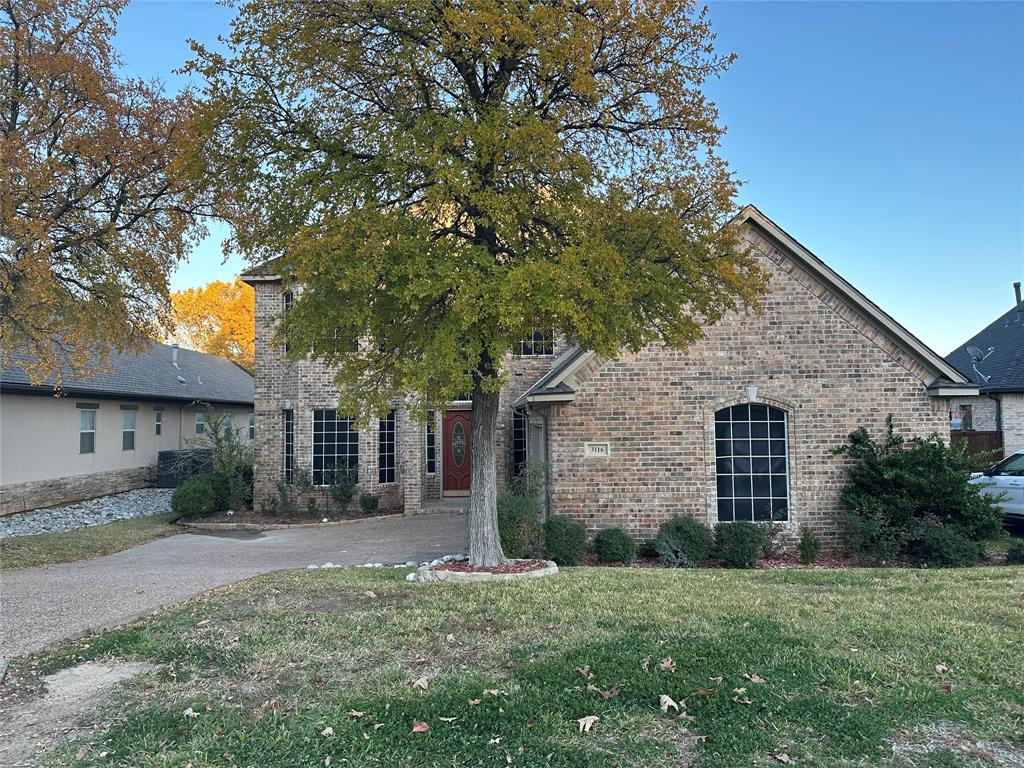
x,y
987,446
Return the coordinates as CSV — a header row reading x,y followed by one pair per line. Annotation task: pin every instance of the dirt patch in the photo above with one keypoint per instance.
x,y
38,726
915,746
512,566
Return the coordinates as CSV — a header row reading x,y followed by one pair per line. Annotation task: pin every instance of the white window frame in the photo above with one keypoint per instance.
x,y
252,426
81,431
391,418
158,422
430,431
125,413
312,433
200,422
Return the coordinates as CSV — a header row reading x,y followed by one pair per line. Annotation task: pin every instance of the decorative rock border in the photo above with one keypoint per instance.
x,y
428,572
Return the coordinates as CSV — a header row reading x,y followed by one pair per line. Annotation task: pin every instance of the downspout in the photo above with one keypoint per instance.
x,y
999,410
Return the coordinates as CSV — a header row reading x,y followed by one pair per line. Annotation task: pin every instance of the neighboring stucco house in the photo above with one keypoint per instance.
x,y
102,433
994,360
739,426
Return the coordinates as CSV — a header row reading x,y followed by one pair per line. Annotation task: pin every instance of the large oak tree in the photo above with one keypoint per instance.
x,y
217,318
441,178
93,216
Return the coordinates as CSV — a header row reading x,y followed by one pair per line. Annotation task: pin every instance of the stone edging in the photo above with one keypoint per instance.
x,y
214,527
426,573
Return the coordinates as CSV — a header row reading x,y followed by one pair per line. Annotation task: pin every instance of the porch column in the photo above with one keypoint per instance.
x,y
411,436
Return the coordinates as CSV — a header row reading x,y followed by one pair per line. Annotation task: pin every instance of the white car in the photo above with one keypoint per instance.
x,y
1006,477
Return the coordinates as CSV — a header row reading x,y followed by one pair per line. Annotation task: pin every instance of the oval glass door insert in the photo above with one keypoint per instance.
x,y
458,444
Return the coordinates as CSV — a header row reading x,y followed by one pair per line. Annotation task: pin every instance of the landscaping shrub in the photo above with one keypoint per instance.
x,y
772,545
899,490
738,545
938,546
646,548
808,546
232,459
614,545
199,495
565,540
368,503
522,535
682,542
1015,553
343,487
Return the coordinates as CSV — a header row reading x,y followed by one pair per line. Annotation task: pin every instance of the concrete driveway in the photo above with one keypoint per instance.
x,y
43,606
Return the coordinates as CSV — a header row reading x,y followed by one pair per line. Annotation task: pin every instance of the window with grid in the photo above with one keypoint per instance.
x,y
289,446
335,445
518,443
252,426
538,343
158,421
87,430
286,303
127,430
751,463
386,449
431,444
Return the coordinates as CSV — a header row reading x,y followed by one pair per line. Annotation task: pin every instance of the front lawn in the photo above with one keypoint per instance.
x,y
83,543
329,668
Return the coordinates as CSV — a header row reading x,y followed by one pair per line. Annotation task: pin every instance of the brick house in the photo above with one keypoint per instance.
x,y
993,359
737,427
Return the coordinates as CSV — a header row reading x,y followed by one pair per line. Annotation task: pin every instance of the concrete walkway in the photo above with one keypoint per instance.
x,y
43,606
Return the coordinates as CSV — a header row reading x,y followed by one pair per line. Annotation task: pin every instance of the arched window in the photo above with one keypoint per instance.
x,y
751,463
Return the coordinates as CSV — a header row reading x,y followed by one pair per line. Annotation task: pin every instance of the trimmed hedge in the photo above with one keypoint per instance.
x,y
682,542
738,545
565,540
522,535
200,495
368,503
939,546
1015,553
614,545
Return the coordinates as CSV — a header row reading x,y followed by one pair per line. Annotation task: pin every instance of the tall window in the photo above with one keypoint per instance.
x,y
335,445
751,462
538,343
200,422
289,446
518,443
431,445
128,430
158,422
386,449
286,304
87,430
252,426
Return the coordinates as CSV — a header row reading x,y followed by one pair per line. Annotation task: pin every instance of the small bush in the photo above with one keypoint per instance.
x,y
522,535
368,503
614,545
808,546
646,548
1015,553
199,495
343,487
682,542
565,540
738,545
312,507
772,545
938,546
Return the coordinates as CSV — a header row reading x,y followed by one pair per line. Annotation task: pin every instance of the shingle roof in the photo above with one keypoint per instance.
x,y
149,374
1002,369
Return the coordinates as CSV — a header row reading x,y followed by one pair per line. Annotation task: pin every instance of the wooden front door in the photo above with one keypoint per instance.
x,y
456,456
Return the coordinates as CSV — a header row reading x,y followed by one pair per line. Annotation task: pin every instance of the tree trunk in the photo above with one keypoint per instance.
x,y
484,541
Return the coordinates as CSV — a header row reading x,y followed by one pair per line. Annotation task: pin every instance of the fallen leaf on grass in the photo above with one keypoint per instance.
x,y
667,664
645,663
474,702
705,692
742,700
421,683
666,702
739,690
190,713
447,719
585,672
355,714
782,757
420,727
495,740
494,692
755,678
328,731
941,669
717,680
585,723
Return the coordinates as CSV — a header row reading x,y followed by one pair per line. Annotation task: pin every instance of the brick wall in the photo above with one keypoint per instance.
x,y
1013,421
808,354
983,411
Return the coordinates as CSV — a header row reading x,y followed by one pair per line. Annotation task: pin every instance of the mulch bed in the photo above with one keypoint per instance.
x,y
257,518
786,562
513,566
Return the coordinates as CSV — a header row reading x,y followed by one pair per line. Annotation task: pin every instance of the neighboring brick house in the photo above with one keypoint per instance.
x,y
738,426
102,433
994,360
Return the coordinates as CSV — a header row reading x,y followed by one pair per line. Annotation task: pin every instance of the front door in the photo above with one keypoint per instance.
x,y
456,454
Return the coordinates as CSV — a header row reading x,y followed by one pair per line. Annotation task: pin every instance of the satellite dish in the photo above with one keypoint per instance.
x,y
977,355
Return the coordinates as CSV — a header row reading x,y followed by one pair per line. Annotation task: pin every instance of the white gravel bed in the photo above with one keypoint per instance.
x,y
104,509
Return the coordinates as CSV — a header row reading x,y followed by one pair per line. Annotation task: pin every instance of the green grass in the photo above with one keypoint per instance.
x,y
848,661
84,543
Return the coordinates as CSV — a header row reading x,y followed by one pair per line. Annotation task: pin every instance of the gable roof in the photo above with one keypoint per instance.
x,y
1002,369
149,375
946,380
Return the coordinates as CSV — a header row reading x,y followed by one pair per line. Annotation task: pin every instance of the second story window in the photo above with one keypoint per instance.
x,y
538,343
286,303
252,426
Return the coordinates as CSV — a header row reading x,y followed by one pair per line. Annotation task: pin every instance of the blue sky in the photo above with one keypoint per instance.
x,y
886,137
